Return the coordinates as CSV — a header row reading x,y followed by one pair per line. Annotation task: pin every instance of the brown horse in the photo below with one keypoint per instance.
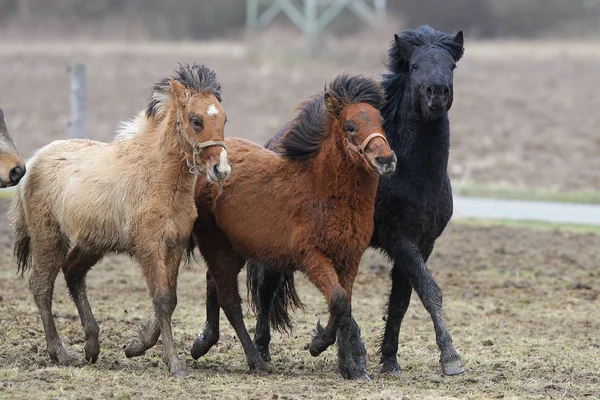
x,y
311,210
83,199
12,167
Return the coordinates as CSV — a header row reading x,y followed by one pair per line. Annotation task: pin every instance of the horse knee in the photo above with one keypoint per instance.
x,y
165,303
338,304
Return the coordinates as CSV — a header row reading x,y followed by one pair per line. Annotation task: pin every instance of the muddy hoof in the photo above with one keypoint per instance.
x,y
182,373
92,350
135,349
452,367
363,378
264,353
63,357
202,345
390,368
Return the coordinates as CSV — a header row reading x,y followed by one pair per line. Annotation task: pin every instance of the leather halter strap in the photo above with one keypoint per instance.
x,y
360,149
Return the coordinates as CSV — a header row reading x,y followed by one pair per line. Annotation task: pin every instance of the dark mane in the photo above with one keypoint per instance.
x,y
304,134
194,77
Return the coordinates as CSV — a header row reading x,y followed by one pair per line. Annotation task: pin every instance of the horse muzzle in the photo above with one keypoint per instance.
x,y
385,165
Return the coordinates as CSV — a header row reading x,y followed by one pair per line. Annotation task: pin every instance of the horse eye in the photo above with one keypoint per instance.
x,y
415,67
197,123
350,129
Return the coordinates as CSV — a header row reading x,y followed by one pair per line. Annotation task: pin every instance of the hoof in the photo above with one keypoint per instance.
x,y
202,345
452,367
63,357
354,373
258,366
92,350
264,353
182,373
363,378
319,342
391,369
135,349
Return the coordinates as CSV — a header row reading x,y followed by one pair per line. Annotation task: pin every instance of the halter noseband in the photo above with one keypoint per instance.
x,y
197,148
360,149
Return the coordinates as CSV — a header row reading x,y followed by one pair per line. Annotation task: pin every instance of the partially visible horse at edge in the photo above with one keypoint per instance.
x,y
12,167
310,209
412,207
82,199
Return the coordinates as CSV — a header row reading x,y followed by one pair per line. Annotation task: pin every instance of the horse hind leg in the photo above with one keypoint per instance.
x,y
48,256
210,336
75,268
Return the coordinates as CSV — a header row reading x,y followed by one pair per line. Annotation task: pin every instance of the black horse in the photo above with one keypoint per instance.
x,y
412,207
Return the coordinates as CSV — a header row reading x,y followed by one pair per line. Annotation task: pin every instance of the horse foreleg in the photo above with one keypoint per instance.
x,y
321,272
210,336
429,292
397,305
350,344
75,268
161,267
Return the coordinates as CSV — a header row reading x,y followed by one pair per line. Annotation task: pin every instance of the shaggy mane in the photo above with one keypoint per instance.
x,y
305,133
197,78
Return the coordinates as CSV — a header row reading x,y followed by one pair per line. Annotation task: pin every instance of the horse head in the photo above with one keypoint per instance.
x,y
428,58
200,121
354,104
12,167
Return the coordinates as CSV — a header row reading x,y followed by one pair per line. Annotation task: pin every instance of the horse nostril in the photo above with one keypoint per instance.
x,y
446,91
16,174
216,170
380,160
429,91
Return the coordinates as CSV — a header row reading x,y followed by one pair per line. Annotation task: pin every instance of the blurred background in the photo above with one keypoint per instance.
x,y
524,120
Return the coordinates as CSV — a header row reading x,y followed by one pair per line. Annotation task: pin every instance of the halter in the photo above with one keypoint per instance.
x,y
360,149
197,148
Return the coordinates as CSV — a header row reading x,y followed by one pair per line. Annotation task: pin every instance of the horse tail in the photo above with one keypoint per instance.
x,y
18,219
279,286
189,252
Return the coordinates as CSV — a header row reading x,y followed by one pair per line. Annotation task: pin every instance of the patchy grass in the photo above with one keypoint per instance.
x,y
536,225
521,306
585,196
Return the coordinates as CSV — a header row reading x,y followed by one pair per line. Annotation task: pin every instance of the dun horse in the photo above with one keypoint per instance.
x,y
412,207
12,167
310,210
83,199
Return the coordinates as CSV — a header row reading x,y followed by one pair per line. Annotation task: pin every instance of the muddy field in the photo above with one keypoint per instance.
x,y
522,307
525,114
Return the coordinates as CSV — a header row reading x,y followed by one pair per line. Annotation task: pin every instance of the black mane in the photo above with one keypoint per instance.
x,y
302,137
194,77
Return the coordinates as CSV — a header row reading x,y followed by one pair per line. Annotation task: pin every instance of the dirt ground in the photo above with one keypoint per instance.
x,y
525,113
522,306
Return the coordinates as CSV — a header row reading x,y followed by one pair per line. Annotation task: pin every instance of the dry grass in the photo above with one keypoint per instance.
x,y
521,304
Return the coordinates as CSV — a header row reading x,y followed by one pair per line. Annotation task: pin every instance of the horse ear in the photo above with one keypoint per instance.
x,y
404,48
459,38
332,105
177,89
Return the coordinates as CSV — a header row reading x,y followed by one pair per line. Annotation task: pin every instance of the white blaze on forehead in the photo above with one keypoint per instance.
x,y
224,166
212,110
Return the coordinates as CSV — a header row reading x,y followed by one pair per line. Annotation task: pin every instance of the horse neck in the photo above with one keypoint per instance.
x,y
344,177
420,145
171,160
